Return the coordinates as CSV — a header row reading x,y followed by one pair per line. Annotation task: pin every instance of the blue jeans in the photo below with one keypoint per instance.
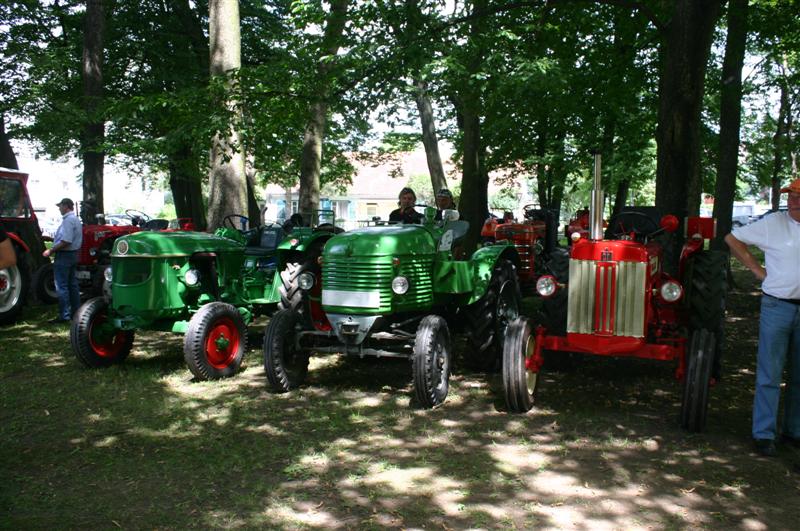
x,y
778,336
69,296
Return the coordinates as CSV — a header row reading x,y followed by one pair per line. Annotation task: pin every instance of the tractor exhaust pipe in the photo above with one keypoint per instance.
x,y
596,206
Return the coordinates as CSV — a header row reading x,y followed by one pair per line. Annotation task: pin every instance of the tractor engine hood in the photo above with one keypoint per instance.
x,y
393,240
168,244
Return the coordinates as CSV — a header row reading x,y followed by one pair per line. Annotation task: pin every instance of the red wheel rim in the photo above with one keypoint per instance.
x,y
222,343
104,340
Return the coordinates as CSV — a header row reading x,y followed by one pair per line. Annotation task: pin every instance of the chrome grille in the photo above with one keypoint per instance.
x,y
606,298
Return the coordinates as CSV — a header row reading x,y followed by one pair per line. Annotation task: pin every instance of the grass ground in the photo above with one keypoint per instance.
x,y
143,446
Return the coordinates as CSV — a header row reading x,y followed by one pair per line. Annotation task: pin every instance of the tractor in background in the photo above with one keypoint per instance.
x,y
612,297
535,240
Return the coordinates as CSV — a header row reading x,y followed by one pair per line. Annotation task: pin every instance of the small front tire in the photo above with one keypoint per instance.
x,y
95,342
519,383
215,342
431,361
286,367
699,363
44,284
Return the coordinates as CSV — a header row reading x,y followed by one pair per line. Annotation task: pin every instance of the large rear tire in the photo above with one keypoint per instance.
x,y
95,342
15,283
487,319
519,383
431,361
215,342
292,296
699,363
286,367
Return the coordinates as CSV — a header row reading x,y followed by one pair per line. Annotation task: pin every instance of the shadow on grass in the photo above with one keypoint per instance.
x,y
141,445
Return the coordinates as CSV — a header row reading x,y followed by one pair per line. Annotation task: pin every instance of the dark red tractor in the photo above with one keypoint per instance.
x,y
612,297
32,269
535,239
578,223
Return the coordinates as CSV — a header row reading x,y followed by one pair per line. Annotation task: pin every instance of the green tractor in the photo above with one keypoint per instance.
x,y
389,291
205,286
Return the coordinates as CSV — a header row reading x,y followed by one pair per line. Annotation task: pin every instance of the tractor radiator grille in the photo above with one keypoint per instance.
x,y
606,298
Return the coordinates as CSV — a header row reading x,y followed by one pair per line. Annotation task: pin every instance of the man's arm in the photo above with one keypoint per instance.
x,y
740,251
57,247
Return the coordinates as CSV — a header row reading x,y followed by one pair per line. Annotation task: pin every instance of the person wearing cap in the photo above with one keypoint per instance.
x,y
444,200
66,243
778,235
8,257
405,212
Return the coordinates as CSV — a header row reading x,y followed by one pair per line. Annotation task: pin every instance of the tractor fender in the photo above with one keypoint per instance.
x,y
300,245
483,262
17,240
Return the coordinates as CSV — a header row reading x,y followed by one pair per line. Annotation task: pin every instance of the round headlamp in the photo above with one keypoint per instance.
x,y
93,251
122,247
671,291
546,285
191,277
107,274
575,236
400,285
305,281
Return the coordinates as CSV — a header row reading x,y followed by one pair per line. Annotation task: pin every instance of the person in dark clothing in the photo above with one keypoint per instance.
x,y
444,200
405,213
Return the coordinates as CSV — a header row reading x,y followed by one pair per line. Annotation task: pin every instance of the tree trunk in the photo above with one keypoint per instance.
x,y
730,118
685,57
93,134
185,184
311,155
227,181
7,157
253,210
429,139
779,142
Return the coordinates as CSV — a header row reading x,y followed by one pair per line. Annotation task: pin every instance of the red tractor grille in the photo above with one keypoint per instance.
x,y
606,298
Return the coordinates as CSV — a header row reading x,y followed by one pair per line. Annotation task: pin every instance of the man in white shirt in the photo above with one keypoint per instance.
x,y
66,244
778,235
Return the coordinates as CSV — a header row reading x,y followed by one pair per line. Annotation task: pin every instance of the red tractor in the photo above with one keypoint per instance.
x,y
535,239
612,297
32,269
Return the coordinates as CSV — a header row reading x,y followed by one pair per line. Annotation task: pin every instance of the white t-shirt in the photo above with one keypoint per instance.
x,y
778,235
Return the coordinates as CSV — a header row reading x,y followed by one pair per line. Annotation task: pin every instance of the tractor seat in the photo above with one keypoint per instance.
x,y
264,241
156,224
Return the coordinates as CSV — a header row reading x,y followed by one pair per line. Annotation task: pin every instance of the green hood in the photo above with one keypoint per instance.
x,y
392,240
162,244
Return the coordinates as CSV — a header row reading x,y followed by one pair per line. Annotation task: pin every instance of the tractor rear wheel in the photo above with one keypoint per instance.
x,y
215,342
44,284
554,309
95,341
286,367
519,383
15,281
705,280
487,319
699,362
292,296
431,361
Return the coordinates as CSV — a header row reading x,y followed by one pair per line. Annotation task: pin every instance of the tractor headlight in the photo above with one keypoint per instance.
x,y
671,291
305,281
191,277
400,285
575,236
546,286
93,251
107,274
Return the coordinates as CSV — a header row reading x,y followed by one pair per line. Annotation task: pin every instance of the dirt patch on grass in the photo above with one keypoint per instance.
x,y
143,445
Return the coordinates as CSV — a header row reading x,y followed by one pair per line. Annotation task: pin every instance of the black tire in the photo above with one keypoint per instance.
x,y
44,284
215,342
519,383
292,297
95,342
286,368
431,361
487,319
15,283
553,314
699,362
705,281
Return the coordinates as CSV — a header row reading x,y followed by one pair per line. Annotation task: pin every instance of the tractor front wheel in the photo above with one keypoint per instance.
x,y
699,362
285,365
431,361
95,341
215,342
519,382
487,319
44,284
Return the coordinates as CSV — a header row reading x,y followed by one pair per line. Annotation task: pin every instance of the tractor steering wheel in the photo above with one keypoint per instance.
x,y
619,227
533,212
229,221
138,218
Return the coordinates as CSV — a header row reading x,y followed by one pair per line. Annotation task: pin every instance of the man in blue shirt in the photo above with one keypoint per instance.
x,y
66,245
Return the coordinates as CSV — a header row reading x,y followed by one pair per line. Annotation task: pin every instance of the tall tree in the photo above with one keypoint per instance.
x,y
93,134
730,119
7,157
227,179
311,157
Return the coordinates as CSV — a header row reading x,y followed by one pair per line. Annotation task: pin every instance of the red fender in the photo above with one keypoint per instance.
x,y
19,241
